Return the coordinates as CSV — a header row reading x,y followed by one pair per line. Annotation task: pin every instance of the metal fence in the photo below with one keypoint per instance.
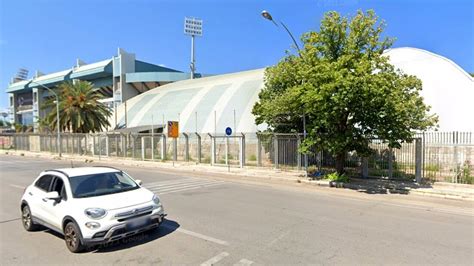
x,y
434,156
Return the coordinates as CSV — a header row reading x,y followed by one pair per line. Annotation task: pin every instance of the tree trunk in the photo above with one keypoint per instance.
x,y
340,159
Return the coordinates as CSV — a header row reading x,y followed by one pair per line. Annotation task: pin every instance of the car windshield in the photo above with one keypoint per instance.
x,y
101,184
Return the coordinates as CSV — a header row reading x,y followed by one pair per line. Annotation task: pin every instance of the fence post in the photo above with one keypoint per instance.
x,y
106,145
133,146
142,141
163,147
186,147
455,157
242,150
298,154
275,150
213,149
117,153
175,149
123,142
390,163
152,147
93,145
198,147
227,150
259,151
66,138
418,160
100,147
365,167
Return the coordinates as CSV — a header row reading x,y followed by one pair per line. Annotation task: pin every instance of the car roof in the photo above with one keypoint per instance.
x,y
80,171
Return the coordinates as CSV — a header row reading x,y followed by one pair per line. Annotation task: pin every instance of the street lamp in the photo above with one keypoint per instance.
x,y
268,16
58,139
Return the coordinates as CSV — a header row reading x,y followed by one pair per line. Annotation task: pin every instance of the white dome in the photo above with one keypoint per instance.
x,y
447,88
204,105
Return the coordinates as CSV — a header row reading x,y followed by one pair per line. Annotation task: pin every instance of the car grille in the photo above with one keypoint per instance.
x,y
134,216
134,212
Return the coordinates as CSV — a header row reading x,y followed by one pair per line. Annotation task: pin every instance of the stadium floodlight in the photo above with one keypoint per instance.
x,y
192,27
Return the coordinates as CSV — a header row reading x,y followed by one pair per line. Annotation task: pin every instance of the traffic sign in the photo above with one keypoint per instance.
x,y
173,129
228,131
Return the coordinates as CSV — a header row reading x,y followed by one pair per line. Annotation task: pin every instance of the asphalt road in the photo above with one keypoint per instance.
x,y
220,221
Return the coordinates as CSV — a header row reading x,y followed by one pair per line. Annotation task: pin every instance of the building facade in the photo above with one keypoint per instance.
x,y
118,79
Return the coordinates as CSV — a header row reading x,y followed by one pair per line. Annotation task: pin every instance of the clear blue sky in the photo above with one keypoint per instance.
x,y
48,35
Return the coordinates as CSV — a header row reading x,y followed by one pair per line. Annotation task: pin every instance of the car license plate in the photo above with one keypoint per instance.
x,y
137,223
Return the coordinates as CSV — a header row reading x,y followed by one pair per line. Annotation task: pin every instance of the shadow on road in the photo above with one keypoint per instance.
x,y
166,228
381,186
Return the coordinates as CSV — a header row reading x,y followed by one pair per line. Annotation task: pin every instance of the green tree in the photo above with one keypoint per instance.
x,y
80,108
347,90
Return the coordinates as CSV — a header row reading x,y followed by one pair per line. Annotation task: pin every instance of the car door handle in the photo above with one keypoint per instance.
x,y
45,199
31,194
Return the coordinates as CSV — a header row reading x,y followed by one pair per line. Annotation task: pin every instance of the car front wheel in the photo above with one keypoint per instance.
x,y
73,238
27,220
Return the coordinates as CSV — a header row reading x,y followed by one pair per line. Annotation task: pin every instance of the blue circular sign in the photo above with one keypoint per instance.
x,y
228,131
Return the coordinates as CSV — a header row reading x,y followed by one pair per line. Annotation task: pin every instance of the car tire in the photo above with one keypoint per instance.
x,y
73,238
27,219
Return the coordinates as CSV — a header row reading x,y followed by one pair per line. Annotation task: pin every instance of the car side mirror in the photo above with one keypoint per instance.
x,y
53,195
139,182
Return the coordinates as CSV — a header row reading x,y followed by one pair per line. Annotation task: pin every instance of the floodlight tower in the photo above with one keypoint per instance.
x,y
192,27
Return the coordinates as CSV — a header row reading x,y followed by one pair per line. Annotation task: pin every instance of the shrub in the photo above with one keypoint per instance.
x,y
336,177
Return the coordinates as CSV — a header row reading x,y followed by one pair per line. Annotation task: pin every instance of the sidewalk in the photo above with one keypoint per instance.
x,y
370,186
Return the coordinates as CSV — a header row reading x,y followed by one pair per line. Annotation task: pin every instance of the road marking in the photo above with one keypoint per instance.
x,y
244,262
174,181
185,186
282,235
215,259
17,186
197,235
180,190
172,186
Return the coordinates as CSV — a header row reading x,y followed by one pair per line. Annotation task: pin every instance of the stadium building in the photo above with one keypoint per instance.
x,y
146,96
118,79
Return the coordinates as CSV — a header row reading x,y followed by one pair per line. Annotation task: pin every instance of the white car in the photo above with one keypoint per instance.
x,y
90,205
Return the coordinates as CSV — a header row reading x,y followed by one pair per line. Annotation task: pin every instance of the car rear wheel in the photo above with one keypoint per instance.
x,y
27,220
73,238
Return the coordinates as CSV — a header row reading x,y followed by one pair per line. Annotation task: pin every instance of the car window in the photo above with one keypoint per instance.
x,y
58,186
101,184
44,182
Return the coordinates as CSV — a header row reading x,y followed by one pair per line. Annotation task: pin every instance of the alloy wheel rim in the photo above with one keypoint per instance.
x,y
26,217
71,238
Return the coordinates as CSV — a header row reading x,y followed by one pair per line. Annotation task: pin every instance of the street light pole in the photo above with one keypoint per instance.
x,y
268,16
58,139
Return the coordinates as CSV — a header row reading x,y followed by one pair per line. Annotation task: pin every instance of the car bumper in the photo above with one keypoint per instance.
x,y
124,230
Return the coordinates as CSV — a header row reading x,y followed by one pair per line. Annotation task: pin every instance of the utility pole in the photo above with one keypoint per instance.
x,y
192,27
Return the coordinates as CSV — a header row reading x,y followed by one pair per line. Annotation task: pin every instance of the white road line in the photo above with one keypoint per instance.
x,y
184,186
198,235
17,186
155,184
181,184
180,190
215,259
243,262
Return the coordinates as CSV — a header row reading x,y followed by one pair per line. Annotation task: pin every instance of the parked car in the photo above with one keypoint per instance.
x,y
90,205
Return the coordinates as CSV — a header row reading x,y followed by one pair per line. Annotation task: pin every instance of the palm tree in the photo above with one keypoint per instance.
x,y
79,107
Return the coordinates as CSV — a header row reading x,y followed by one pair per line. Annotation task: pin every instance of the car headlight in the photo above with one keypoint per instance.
x,y
95,213
156,200
92,225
